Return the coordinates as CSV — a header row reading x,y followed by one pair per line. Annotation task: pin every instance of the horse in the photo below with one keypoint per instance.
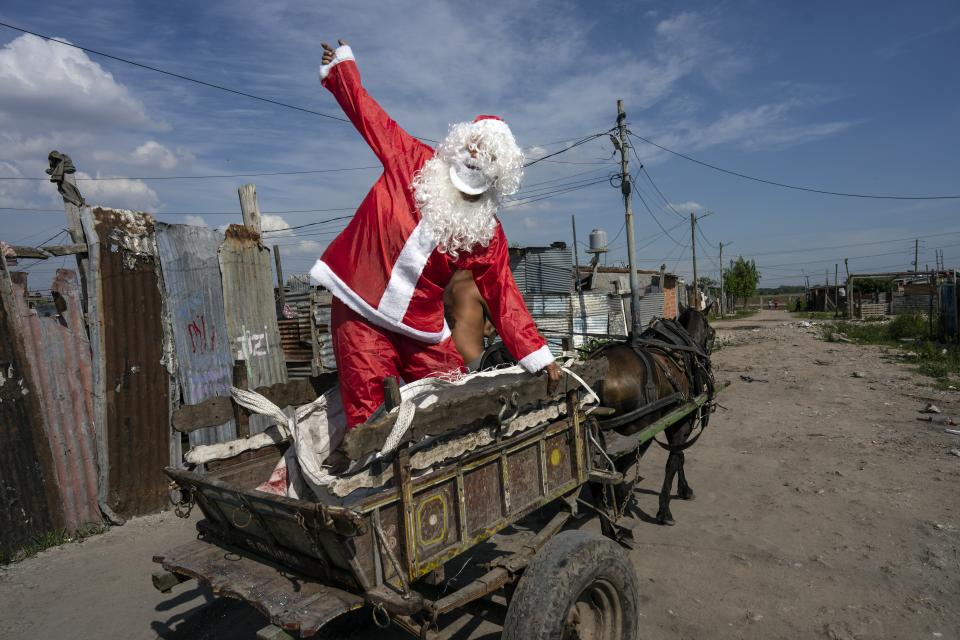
x,y
670,360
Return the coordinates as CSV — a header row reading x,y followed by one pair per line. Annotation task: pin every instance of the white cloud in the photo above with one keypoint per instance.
x,y
197,221
686,207
153,154
49,82
767,126
125,194
276,224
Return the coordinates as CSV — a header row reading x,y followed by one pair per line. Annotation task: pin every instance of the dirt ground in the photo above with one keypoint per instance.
x,y
824,509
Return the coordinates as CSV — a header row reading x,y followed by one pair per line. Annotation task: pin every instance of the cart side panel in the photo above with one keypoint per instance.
x,y
483,492
560,457
526,483
436,519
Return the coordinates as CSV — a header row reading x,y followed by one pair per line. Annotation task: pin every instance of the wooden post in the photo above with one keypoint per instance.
x,y
240,415
391,393
315,365
249,207
72,201
281,294
723,303
836,290
693,248
626,187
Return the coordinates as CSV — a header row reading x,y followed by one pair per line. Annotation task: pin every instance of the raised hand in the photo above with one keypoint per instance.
x,y
328,51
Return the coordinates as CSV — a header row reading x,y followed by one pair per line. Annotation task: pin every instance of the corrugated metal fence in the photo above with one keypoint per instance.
x,y
86,406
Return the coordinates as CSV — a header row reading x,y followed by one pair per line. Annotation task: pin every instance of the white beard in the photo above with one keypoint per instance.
x,y
456,224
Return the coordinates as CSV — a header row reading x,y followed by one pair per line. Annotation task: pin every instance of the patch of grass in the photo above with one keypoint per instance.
x,y
908,332
53,539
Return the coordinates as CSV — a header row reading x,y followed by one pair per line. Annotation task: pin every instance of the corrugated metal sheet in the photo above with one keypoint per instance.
x,y
133,381
590,303
59,353
197,321
651,307
296,346
247,272
618,323
948,296
913,303
29,502
543,269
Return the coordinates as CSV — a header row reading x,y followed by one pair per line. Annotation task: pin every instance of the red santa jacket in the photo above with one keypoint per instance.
x,y
385,265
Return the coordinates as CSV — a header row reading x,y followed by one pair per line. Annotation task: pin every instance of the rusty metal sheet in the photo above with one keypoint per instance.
x,y
29,501
197,321
131,382
247,271
59,353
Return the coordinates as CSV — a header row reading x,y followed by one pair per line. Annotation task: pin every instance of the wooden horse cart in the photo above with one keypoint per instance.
x,y
519,501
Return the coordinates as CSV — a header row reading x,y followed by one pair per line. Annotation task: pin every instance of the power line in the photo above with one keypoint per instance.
x,y
309,224
790,186
855,244
178,75
186,213
572,146
657,189
655,219
205,177
518,203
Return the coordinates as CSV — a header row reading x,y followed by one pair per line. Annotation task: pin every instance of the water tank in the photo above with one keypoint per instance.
x,y
598,240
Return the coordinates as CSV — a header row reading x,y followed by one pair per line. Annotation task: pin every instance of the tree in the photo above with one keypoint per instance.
x,y
740,281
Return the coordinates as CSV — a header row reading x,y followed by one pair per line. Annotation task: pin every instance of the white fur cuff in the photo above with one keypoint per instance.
x,y
537,360
341,54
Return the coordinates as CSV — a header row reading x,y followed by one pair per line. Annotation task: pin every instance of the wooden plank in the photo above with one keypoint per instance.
x,y
240,415
58,250
52,251
220,409
462,413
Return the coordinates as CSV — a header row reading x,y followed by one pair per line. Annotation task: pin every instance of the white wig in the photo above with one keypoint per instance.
x,y
455,223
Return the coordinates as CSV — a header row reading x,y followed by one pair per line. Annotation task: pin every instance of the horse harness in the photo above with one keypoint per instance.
x,y
669,338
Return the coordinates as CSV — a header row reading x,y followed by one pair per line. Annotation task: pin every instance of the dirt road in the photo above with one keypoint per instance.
x,y
824,509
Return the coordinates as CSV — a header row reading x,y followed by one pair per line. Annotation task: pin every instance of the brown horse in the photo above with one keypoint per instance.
x,y
658,369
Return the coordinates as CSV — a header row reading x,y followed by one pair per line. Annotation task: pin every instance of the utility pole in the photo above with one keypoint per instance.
x,y
723,295
693,245
846,267
625,189
916,255
836,289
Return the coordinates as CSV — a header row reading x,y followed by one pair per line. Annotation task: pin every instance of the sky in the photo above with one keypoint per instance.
x,y
854,97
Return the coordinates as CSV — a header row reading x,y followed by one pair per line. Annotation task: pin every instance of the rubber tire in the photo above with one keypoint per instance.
x,y
556,577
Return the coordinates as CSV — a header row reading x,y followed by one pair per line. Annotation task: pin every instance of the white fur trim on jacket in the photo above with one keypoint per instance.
x,y
406,273
342,53
325,276
537,360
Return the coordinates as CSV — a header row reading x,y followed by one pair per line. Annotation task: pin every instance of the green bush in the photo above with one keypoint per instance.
x,y
909,325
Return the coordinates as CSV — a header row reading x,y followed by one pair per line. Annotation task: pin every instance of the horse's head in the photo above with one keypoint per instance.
x,y
695,322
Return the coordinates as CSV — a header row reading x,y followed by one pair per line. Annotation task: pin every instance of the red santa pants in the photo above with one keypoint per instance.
x,y
366,354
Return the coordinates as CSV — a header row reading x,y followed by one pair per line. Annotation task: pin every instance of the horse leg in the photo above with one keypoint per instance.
x,y
673,466
684,491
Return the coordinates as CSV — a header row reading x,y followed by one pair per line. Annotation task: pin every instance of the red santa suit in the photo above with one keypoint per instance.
x,y
388,276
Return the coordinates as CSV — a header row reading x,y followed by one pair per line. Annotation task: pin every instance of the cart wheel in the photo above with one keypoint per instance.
x,y
578,587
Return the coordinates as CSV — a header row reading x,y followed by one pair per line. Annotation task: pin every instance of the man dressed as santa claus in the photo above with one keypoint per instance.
x,y
431,213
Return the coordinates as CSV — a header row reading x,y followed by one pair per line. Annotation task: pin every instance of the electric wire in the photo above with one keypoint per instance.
x,y
204,177
791,186
177,75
